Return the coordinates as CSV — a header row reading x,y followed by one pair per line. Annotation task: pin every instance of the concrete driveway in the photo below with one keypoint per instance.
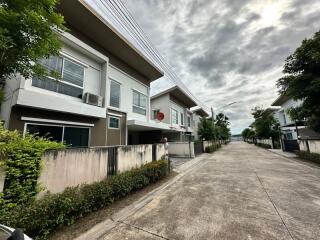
x,y
239,192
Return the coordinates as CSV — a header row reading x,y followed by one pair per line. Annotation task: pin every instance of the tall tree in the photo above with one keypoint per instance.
x,y
27,34
248,133
302,81
206,129
265,124
222,126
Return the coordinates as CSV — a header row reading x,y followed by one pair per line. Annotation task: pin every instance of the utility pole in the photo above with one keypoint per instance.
x,y
212,120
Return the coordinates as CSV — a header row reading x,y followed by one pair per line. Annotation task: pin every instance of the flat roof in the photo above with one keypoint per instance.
x,y
81,17
199,110
280,100
179,94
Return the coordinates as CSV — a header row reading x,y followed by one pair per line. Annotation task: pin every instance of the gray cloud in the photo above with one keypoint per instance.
x,y
227,50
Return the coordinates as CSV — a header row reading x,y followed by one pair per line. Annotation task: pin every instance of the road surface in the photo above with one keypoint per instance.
x,y
239,192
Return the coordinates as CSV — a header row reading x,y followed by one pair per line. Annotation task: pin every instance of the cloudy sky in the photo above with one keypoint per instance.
x,y
227,50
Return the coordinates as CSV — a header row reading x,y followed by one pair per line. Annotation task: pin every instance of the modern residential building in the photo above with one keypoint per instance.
x,y
103,91
197,114
287,125
175,104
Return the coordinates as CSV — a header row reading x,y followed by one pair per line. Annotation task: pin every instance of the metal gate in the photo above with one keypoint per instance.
x,y
112,161
290,145
198,147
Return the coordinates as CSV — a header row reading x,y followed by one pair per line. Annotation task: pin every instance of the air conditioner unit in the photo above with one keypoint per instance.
x,y
93,99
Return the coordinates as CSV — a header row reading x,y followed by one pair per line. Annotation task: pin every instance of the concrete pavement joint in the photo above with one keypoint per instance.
x,y
274,205
102,229
141,229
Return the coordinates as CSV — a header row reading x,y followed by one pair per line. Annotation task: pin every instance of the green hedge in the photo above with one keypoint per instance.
x,y
313,157
42,216
21,159
211,149
263,145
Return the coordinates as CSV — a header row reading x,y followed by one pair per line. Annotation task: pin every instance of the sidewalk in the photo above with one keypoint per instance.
x,y
98,231
284,154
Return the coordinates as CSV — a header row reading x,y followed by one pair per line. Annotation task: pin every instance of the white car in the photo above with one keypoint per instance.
x,y
8,233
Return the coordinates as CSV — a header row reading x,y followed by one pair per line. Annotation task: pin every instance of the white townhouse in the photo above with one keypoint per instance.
x,y
103,93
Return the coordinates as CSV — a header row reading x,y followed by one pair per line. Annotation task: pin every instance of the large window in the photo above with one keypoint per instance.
x,y
174,116
139,103
71,77
72,136
115,94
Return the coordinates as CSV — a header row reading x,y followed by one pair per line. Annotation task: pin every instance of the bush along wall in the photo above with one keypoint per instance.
x,y
313,157
263,145
211,149
40,217
20,156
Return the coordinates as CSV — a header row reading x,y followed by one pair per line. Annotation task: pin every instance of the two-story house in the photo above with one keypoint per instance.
x,y
197,113
175,104
104,84
287,125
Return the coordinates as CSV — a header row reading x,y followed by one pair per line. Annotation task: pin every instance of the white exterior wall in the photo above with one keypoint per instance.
x,y
162,103
181,149
195,126
94,82
314,145
128,84
72,167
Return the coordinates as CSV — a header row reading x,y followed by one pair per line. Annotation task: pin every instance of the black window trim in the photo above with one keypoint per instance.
x,y
63,126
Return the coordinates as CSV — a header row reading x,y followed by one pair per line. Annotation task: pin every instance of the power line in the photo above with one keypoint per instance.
x,y
124,21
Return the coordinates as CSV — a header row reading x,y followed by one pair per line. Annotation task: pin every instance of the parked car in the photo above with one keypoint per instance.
x,y
8,233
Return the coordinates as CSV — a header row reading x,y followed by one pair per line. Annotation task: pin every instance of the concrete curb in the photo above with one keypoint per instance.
x,y
101,229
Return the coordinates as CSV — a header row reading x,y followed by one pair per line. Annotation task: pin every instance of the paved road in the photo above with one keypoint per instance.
x,y
240,192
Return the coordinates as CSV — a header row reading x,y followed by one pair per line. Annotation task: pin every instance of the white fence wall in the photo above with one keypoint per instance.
x,y
181,149
314,145
265,141
71,167
133,156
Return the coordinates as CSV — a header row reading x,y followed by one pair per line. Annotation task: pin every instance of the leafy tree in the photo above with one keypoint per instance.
x,y
248,133
222,127
27,34
302,81
265,124
206,129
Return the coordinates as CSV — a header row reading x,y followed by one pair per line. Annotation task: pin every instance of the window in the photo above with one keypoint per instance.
x,y
72,76
72,136
139,103
189,121
182,119
115,94
174,116
155,113
114,122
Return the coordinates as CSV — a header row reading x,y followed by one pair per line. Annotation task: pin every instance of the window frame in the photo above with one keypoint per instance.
x,y
118,118
189,121
133,105
154,117
176,116
57,125
115,81
74,61
182,119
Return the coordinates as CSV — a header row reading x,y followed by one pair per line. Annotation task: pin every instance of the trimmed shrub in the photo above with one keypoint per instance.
x,y
21,159
313,157
263,145
211,149
42,216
